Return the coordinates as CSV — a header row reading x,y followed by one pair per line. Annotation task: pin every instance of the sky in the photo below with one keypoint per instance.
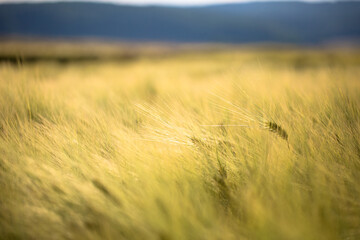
x,y
159,2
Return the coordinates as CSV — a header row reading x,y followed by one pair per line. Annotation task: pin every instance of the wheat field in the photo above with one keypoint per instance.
x,y
224,144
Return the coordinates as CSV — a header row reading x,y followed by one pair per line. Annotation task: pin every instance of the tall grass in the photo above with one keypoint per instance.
x,y
126,151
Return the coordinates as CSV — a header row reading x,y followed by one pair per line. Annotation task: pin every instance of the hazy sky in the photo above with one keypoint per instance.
x,y
162,2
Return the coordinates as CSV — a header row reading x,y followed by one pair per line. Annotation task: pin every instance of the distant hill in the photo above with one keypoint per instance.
x,y
290,22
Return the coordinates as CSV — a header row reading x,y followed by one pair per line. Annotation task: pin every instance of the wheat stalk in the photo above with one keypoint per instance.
x,y
277,129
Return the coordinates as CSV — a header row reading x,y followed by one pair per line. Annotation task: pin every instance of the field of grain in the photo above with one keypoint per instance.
x,y
226,144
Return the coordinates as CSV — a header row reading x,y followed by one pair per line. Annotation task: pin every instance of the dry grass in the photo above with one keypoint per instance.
x,y
129,151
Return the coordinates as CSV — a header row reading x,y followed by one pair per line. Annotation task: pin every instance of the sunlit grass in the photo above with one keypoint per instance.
x,y
109,150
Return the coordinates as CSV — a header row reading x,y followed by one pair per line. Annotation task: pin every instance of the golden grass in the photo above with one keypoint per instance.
x,y
129,151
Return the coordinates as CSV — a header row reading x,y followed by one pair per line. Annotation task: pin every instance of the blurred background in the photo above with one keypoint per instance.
x,y
167,26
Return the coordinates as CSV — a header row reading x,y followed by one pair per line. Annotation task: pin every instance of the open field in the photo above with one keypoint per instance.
x,y
127,149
